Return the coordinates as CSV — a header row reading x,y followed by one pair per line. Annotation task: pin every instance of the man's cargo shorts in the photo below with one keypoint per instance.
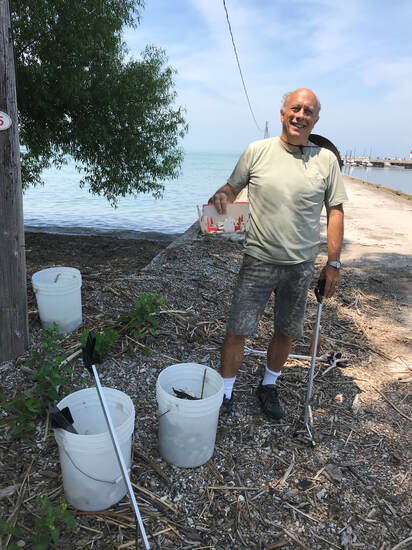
x,y
255,283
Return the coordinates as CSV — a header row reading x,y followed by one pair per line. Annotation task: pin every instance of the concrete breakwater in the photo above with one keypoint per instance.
x,y
382,187
378,162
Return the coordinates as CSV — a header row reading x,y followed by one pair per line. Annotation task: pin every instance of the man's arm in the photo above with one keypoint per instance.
x,y
335,238
225,194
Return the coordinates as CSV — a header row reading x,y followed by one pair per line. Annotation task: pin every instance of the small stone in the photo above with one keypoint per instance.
x,y
8,491
321,494
347,538
339,398
291,495
333,472
305,484
333,511
356,405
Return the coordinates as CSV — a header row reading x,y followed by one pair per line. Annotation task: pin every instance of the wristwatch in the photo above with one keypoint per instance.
x,y
335,264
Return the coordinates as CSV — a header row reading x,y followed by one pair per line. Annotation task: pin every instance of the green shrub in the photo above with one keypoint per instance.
x,y
47,524
47,372
142,318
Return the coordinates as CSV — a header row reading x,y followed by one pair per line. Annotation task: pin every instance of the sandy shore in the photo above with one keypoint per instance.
x,y
378,220
378,238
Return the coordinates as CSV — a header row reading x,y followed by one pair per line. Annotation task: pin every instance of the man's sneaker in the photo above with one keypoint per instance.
x,y
269,401
226,406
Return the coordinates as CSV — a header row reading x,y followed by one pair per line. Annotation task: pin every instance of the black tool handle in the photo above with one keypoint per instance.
x,y
61,418
88,351
320,289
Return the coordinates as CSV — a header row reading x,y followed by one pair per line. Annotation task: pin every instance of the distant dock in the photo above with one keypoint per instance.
x,y
377,162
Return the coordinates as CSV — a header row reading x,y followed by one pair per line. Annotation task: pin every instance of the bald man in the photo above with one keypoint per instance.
x,y
289,179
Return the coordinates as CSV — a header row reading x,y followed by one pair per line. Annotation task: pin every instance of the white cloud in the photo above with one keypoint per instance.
x,y
357,58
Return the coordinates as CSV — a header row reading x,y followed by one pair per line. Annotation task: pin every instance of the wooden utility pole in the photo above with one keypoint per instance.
x,y
14,332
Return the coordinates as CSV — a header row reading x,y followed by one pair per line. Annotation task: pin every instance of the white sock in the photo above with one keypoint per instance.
x,y
270,377
228,384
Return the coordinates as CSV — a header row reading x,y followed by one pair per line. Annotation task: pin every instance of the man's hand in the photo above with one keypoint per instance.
x,y
332,280
219,200
222,197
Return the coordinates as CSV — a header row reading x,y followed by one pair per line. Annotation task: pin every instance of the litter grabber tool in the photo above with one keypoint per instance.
x,y
334,359
308,419
88,363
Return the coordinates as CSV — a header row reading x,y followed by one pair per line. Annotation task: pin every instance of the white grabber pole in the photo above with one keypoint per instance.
x,y
334,359
308,411
88,362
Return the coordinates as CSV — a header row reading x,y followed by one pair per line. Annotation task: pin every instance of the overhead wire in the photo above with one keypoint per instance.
x,y
238,64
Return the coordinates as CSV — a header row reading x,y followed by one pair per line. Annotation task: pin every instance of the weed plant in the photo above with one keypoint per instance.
x,y
142,318
7,529
49,522
47,373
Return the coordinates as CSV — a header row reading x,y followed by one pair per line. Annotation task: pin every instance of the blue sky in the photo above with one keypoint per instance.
x,y
355,54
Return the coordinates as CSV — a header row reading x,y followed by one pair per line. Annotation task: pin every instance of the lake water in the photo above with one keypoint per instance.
x,y
395,177
60,206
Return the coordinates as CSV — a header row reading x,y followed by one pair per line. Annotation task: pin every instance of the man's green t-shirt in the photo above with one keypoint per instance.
x,y
286,195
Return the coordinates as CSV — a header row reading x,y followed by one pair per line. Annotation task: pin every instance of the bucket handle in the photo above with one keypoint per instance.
x,y
114,482
159,414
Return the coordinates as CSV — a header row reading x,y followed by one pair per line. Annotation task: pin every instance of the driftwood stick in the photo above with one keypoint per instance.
x,y
203,384
279,544
154,497
325,540
161,354
300,512
14,514
182,311
391,404
287,473
231,487
153,465
288,533
131,543
72,356
402,544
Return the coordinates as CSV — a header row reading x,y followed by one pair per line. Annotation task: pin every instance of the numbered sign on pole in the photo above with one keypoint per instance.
x,y
5,121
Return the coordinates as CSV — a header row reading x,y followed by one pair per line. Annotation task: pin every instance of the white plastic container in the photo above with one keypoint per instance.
x,y
58,294
92,478
187,428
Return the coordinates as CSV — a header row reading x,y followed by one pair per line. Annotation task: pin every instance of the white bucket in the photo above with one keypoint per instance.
x,y
187,428
92,477
58,297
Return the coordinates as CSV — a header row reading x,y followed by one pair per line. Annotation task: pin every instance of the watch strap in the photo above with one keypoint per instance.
x,y
335,263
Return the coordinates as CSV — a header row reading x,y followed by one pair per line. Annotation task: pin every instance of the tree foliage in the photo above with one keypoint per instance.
x,y
79,95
